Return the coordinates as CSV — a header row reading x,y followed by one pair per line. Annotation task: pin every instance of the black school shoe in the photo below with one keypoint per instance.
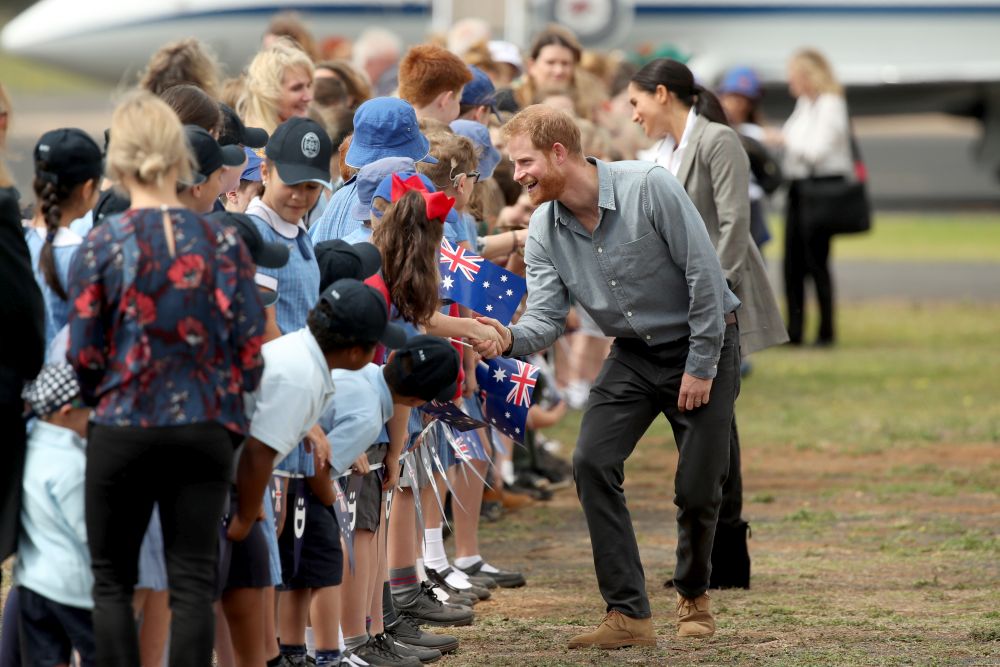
x,y
379,652
424,655
426,608
441,579
504,579
407,631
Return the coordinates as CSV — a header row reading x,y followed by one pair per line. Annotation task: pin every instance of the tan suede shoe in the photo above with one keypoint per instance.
x,y
694,617
618,631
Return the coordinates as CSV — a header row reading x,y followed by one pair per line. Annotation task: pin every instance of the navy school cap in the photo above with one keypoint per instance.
x,y
358,313
235,132
480,91
67,156
339,259
426,367
301,150
209,155
265,254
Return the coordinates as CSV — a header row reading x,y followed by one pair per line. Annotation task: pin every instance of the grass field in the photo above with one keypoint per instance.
x,y
913,237
872,474
22,76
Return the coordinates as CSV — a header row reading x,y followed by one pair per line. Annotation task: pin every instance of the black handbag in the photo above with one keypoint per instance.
x,y
836,205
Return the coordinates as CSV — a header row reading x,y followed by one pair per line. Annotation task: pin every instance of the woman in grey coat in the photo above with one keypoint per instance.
x,y
708,159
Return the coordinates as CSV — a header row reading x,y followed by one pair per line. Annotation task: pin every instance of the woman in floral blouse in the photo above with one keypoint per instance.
x,y
165,336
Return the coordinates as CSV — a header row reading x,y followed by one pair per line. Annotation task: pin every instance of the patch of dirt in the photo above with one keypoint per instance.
x,y
892,575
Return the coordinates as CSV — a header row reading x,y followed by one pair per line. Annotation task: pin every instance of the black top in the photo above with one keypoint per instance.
x,y
22,310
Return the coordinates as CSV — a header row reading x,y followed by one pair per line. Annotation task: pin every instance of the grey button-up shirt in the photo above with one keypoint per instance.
x,y
648,271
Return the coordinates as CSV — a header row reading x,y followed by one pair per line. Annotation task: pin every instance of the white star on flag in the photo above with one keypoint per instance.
x,y
486,284
500,375
489,308
503,279
447,282
510,292
517,430
507,415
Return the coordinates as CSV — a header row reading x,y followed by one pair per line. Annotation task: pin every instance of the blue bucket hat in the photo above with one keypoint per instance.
x,y
368,180
384,190
489,157
740,81
386,127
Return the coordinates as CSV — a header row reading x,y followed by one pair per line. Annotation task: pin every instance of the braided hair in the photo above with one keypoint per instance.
x,y
51,194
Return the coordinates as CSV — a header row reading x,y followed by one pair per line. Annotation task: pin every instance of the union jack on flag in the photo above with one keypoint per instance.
x,y
459,259
507,387
524,381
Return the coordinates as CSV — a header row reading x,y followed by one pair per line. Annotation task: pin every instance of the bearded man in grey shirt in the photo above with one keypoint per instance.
x,y
625,241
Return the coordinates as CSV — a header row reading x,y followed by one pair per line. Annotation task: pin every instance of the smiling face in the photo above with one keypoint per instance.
x,y
649,110
553,68
296,94
291,202
534,169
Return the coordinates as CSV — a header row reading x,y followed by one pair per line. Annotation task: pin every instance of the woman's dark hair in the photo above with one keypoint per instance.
x,y
556,35
51,194
193,106
678,79
409,241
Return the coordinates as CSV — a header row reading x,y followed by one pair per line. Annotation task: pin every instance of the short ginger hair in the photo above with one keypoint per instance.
x,y
545,126
428,70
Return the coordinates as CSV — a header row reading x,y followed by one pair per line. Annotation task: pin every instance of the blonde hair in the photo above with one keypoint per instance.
x,y
817,69
185,61
258,106
147,141
232,90
455,154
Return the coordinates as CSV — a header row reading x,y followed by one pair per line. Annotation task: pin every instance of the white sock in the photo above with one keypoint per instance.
x,y
341,646
458,580
507,471
434,553
310,641
468,561
419,567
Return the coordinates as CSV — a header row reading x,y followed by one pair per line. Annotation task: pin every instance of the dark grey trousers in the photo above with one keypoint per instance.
x,y
635,385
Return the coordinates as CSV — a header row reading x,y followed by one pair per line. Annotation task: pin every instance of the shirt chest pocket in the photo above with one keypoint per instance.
x,y
640,259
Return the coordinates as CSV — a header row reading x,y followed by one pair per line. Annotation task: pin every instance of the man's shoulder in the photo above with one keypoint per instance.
x,y
637,167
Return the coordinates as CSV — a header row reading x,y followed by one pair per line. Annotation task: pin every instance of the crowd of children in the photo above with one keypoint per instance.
x,y
225,452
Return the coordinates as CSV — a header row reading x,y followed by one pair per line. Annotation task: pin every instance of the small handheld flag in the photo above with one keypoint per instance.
x,y
479,284
508,386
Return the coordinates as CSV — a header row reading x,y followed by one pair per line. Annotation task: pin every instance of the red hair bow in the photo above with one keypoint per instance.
x,y
438,203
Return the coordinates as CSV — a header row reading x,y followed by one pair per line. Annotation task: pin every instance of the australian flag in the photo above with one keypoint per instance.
x,y
451,414
508,386
479,284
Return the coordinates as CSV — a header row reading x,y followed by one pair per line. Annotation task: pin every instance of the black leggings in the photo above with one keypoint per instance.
x,y
806,255
187,470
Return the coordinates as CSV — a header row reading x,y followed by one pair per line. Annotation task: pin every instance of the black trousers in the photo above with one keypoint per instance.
x,y
635,385
49,631
187,470
806,255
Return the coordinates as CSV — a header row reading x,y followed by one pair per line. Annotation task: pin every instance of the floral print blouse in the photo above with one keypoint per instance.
x,y
166,323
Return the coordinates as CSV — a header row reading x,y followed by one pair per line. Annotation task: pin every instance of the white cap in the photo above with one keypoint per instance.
x,y
506,52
